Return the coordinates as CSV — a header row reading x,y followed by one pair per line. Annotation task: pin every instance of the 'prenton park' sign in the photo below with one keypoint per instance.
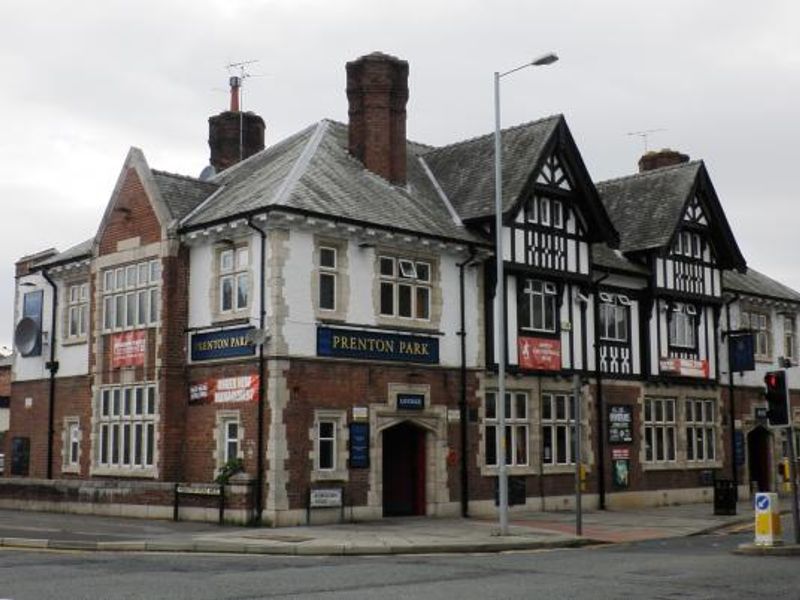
x,y
375,345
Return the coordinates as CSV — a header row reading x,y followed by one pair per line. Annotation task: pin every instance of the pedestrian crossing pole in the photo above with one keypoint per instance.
x,y
576,387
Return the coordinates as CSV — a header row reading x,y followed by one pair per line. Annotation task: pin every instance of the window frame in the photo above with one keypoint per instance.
x,y
702,432
77,303
613,305
661,429
237,272
518,429
330,272
544,298
682,325
128,411
122,292
759,322
404,277
550,421
790,337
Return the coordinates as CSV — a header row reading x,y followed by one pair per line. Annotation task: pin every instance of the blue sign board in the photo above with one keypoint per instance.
x,y
359,445
410,401
762,502
227,343
740,347
375,345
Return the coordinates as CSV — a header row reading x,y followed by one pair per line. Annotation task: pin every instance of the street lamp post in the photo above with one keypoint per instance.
x,y
500,350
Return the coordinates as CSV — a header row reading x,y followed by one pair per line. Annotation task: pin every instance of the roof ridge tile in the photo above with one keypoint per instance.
x,y
659,170
491,133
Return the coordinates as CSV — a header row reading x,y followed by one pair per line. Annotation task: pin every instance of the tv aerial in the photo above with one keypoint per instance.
x,y
645,134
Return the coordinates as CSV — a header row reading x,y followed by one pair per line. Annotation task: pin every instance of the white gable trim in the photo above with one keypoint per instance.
x,y
442,195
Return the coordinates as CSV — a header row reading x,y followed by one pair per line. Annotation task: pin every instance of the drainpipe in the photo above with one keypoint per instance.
x,y
731,407
261,324
599,404
462,405
52,366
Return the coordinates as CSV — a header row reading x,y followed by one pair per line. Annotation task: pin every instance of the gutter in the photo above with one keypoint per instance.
x,y
462,405
259,499
599,404
731,405
52,366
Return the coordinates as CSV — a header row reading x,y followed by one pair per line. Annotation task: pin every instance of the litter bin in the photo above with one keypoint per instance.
x,y
724,497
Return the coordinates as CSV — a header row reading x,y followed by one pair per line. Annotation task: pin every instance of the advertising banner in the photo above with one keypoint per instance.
x,y
376,345
539,354
684,367
128,349
225,389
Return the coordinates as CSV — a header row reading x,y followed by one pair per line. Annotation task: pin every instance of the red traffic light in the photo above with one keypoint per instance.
x,y
772,381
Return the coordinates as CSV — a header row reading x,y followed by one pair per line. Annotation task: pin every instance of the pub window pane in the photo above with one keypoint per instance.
x,y
490,406
404,300
327,291
491,445
327,258
387,299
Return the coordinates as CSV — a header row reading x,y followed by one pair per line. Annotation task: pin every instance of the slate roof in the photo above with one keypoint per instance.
x,y
757,284
182,194
78,251
312,172
465,170
645,207
603,256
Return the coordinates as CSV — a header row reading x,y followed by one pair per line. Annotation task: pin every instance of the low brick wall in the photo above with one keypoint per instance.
x,y
124,498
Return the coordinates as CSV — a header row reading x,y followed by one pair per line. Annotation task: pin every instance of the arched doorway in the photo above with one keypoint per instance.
x,y
403,470
758,458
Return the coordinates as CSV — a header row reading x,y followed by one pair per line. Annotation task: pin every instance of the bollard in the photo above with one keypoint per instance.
x,y
768,520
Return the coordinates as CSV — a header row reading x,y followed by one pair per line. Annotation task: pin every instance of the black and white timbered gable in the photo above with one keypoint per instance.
x,y
552,214
671,221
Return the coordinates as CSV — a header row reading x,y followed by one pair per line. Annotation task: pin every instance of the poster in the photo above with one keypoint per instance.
x,y
128,348
621,472
539,354
620,424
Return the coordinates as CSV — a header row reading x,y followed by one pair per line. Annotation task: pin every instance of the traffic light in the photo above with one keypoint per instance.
x,y
778,413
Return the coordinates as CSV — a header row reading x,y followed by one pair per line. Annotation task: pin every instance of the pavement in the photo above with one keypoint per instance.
x,y
412,535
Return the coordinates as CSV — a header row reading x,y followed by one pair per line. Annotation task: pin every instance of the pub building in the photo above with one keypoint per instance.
x,y
321,315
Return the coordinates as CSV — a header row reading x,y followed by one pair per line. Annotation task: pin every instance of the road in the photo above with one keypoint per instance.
x,y
685,568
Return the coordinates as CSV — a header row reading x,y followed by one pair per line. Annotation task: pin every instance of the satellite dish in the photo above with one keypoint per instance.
x,y
207,173
257,336
27,336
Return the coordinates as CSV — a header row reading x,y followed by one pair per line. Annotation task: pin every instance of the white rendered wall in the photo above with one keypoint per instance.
x,y
73,358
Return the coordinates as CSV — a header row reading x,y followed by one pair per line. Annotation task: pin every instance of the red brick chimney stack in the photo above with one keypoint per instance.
x,y
377,92
234,135
661,158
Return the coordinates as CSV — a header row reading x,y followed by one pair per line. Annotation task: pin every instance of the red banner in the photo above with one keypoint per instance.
x,y
684,367
128,348
225,389
539,354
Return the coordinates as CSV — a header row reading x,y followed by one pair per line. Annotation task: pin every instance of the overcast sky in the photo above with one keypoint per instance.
x,y
83,81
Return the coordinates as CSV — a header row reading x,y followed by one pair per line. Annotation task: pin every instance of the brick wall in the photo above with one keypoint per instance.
x,y
131,216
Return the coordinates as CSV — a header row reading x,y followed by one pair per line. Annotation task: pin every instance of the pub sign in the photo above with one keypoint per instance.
x,y
225,343
376,345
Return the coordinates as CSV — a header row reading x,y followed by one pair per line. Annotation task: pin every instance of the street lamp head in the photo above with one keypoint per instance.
x,y
545,59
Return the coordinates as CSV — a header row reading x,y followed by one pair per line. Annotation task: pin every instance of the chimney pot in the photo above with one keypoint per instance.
x,y
661,158
377,93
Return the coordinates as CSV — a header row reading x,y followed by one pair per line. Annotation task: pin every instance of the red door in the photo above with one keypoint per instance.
x,y
403,471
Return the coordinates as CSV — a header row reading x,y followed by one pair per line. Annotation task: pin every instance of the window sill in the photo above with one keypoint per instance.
x,y
410,324
559,469
74,341
148,473
71,469
234,318
492,471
